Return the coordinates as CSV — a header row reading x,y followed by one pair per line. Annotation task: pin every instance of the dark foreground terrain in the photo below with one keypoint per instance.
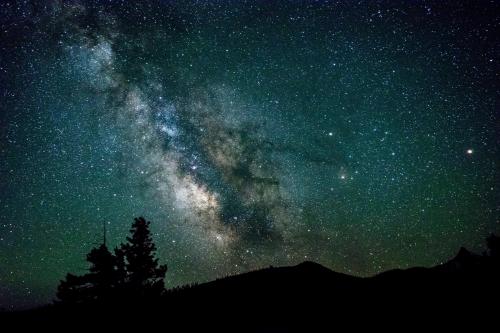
x,y
303,298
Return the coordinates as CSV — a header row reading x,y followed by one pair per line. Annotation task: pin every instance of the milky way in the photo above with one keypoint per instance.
x,y
363,136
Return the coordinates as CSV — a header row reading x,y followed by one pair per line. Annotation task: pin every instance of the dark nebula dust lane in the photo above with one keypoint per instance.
x,y
360,135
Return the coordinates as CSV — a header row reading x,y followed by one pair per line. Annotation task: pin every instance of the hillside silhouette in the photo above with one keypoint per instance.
x,y
125,290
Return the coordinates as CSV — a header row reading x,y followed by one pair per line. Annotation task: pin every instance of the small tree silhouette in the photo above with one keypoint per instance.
x,y
144,276
103,273
97,285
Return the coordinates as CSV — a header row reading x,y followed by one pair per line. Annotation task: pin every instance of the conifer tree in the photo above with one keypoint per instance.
x,y
97,285
145,277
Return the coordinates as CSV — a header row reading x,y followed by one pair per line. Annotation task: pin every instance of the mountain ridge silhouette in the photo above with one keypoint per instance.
x,y
293,298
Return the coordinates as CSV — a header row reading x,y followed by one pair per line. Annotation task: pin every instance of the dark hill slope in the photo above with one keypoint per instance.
x,y
300,298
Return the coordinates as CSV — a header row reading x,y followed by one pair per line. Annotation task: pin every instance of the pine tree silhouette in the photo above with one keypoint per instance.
x,y
144,276
97,285
103,274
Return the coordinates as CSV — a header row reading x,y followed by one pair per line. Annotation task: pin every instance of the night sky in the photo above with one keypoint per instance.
x,y
363,135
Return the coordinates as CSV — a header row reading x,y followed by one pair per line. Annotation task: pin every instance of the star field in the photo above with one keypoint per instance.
x,y
360,135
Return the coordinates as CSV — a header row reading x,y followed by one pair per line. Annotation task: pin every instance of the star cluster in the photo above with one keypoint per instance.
x,y
360,135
